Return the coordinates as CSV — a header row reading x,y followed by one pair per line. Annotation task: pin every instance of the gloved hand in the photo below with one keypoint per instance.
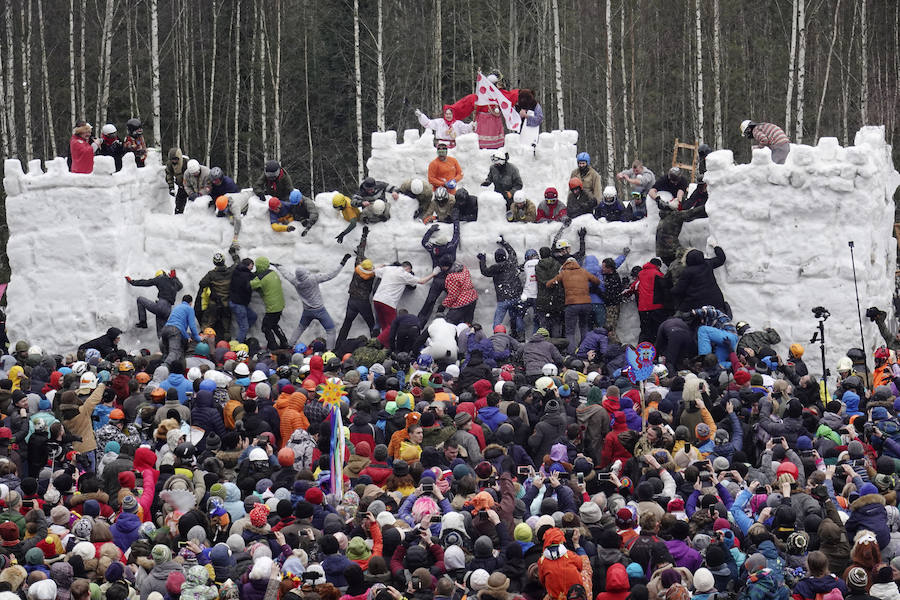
x,y
340,238
500,239
481,256
441,309
172,274
871,312
304,232
262,197
211,203
485,183
291,228
128,279
418,112
305,223
567,221
172,191
434,228
626,251
365,230
582,232
345,259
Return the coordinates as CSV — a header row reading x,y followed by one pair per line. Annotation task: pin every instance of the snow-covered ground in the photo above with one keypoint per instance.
x,y
74,237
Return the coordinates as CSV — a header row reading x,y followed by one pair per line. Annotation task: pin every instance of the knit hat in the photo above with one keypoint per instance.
x,y
479,579
742,377
590,513
60,515
174,582
314,496
523,532
857,579
401,468
755,562
126,479
884,574
703,580
461,419
259,514
34,557
497,584
756,379
868,488
161,554
129,504
357,549
634,570
115,572
82,528
702,431
715,556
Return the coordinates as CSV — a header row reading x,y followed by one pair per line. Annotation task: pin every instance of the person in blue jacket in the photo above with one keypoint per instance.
x,y
181,327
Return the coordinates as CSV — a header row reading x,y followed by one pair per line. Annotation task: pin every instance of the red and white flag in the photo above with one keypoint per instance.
x,y
487,93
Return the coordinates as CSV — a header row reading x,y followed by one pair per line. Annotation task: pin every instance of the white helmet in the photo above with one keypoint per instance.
x,y
744,125
35,350
661,370
194,374
378,207
416,186
544,383
79,367
498,387
550,370
609,191
193,167
108,129
519,197
257,454
845,364
242,370
88,380
257,376
562,244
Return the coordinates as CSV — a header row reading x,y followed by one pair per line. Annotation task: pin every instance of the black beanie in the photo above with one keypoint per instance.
x,y
284,508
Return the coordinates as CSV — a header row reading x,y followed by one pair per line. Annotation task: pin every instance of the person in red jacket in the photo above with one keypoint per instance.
x,y
650,291
461,295
613,449
378,469
82,149
617,586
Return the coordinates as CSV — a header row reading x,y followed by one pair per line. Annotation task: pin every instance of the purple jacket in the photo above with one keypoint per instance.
x,y
125,530
684,555
254,589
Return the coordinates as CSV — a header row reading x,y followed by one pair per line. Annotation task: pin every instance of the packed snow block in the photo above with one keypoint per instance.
x,y
785,230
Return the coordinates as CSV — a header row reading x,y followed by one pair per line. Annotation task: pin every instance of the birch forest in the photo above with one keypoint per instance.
x,y
236,82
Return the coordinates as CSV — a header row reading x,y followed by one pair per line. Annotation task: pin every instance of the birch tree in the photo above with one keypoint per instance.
x,y
25,55
801,66
212,82
717,78
309,138
560,115
436,59
513,42
82,87
45,82
263,58
610,152
864,64
834,32
154,72
699,39
73,109
276,76
106,66
4,131
237,89
379,68
627,151
358,81
792,68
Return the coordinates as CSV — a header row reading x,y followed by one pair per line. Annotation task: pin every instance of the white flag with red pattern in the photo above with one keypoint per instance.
x,y
487,93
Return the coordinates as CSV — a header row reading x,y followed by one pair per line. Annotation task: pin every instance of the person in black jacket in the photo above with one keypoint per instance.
x,y
466,205
359,304
167,287
507,285
436,249
112,145
404,332
697,285
106,344
504,176
240,293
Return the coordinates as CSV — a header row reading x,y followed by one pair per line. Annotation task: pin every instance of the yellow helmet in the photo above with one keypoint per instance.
x,y
126,366
158,273
326,356
339,201
209,331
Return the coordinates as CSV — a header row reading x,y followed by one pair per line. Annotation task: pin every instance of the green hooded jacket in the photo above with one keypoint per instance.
x,y
267,282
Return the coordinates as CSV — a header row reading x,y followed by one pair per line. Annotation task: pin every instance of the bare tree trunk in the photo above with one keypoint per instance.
x,y
12,125
358,82
45,80
263,58
436,59
631,110
103,89
212,81
717,77
4,129
82,87
379,58
792,68
237,90
179,77
471,41
834,32
560,114
513,43
864,64
251,99
154,72
801,67
610,149
73,107
276,108
309,139
627,149
699,38
132,92
25,55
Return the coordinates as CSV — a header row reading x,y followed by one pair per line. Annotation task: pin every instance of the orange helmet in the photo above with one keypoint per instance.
x,y
222,202
116,414
574,183
142,377
158,393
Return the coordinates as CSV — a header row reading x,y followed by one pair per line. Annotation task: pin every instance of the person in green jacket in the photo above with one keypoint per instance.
x,y
13,504
268,284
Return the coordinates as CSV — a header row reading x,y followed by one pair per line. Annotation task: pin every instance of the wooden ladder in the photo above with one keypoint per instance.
x,y
692,167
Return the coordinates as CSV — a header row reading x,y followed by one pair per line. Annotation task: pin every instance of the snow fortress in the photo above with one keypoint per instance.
x,y
785,230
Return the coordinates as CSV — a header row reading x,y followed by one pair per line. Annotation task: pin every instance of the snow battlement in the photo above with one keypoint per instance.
x,y
785,229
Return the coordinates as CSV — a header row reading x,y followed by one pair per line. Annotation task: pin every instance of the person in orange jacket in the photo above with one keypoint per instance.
x,y
558,567
444,169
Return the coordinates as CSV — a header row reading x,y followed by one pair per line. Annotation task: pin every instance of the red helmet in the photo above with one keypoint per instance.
x,y
551,192
788,467
882,353
575,183
499,329
274,204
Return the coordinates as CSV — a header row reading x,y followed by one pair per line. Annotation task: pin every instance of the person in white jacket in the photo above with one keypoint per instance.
x,y
446,129
529,290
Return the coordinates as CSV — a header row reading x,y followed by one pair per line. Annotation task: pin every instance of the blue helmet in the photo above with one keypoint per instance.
x,y
300,348
583,156
295,197
424,360
362,370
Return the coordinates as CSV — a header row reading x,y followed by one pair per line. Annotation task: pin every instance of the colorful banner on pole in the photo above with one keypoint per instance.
x,y
487,93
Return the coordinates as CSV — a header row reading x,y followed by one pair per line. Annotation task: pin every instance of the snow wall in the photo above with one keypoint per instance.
x,y
785,228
